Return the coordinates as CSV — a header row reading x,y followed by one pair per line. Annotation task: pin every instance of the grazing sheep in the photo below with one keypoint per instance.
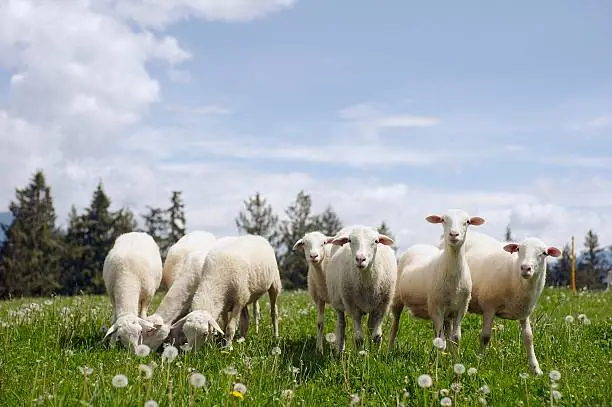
x,y
360,280
435,284
235,273
177,252
132,273
508,285
317,252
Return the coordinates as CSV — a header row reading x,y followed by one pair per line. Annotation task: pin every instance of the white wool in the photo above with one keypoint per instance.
x,y
507,280
132,273
176,254
435,283
236,272
361,278
317,251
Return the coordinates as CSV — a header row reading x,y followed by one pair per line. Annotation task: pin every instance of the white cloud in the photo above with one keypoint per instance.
x,y
206,110
371,114
600,122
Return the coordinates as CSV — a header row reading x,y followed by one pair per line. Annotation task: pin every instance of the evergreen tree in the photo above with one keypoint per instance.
x,y
176,221
329,222
258,218
156,224
508,236
30,256
299,221
124,222
590,274
384,230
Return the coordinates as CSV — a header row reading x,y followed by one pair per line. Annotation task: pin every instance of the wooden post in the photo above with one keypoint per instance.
x,y
573,268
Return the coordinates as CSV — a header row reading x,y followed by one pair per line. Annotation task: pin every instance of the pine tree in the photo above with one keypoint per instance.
x,y
30,256
299,222
258,218
176,221
384,230
124,221
156,224
329,222
508,235
590,275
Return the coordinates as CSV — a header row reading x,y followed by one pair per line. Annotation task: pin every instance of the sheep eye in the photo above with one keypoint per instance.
x,y
377,241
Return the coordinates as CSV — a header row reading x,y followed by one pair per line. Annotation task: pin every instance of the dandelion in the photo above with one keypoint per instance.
x,y
556,394
240,340
294,370
586,321
354,399
287,395
186,347
170,353
424,380
482,401
146,370
444,392
569,319
472,371
197,380
459,369
150,403
362,353
86,371
524,376
581,317
446,401
230,371
485,389
554,375
239,391
142,350
276,351
439,343
456,387
119,381
330,337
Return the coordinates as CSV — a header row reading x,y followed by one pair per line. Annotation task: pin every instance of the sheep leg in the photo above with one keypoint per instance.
x,y
256,315
528,341
357,317
230,329
375,319
437,320
224,320
143,305
244,321
273,292
320,324
485,332
340,329
396,310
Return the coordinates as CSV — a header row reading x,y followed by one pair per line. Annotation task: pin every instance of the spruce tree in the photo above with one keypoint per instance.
x,y
329,222
30,256
590,274
508,234
176,221
156,224
258,218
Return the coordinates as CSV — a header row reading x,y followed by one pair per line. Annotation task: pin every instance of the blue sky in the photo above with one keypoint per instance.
x,y
384,112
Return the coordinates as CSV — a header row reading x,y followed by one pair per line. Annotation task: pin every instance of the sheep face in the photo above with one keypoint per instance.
x,y
455,224
153,338
363,242
196,326
129,330
532,253
313,244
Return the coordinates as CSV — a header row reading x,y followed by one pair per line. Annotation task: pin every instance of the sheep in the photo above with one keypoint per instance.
x,y
435,283
508,285
235,273
361,280
177,252
317,248
132,273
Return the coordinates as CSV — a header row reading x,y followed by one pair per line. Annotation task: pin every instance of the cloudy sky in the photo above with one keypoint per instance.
x,y
387,113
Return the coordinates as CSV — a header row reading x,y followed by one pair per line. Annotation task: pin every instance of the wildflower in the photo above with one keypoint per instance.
x,y
119,381
170,353
456,387
362,353
459,369
485,389
446,401
186,347
240,340
581,317
276,351
142,350
482,401
354,399
330,337
472,371
569,319
524,376
439,343
586,321
554,375
424,380
287,394
556,395
239,391
554,385
150,403
444,392
230,371
146,370
197,380
294,370
86,371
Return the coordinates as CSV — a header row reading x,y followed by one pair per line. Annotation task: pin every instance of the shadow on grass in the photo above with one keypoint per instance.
x,y
303,353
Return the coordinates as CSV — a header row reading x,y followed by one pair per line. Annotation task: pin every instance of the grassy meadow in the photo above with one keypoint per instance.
x,y
45,345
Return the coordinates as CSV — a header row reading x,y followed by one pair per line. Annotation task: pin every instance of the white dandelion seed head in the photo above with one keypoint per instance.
x,y
170,353
569,319
287,394
240,388
459,369
446,401
485,389
456,387
354,399
120,380
240,340
482,400
554,375
294,370
142,350
439,343
186,347
197,380
146,370
276,351
524,376
554,385
424,380
556,394
230,371
581,317
586,321
86,371
330,337
150,403
444,392
362,353
472,371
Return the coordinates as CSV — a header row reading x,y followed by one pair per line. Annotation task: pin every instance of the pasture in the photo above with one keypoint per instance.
x,y
46,346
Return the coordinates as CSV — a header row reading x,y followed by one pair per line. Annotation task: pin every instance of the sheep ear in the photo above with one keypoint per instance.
x,y
147,326
298,244
216,326
339,241
553,251
434,219
328,239
511,247
384,239
179,324
476,221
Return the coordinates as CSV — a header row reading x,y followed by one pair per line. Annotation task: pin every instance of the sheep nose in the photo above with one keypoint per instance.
x,y
360,258
453,234
526,268
314,256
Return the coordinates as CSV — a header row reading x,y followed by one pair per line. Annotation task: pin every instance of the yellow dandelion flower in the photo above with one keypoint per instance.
x,y
237,394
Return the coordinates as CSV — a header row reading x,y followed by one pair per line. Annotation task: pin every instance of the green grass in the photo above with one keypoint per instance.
x,y
41,352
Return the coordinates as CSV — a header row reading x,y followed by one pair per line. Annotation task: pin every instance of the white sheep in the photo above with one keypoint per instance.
x,y
132,273
177,252
236,272
507,285
435,283
317,249
361,280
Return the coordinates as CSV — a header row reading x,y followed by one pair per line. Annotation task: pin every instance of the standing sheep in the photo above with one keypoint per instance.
x,y
317,249
177,252
508,285
235,274
361,280
132,273
436,284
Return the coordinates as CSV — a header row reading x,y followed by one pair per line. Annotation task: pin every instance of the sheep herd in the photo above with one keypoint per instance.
x,y
212,281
